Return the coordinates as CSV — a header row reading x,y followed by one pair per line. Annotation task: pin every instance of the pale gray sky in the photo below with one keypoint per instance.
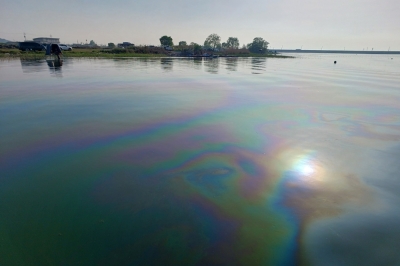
x,y
311,24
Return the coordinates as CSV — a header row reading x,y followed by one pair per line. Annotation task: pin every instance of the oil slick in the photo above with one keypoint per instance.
x,y
123,162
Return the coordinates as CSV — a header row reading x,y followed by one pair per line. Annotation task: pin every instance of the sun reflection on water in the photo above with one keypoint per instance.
x,y
305,169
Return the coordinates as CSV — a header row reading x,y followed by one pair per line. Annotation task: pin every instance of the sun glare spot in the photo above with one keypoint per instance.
x,y
307,170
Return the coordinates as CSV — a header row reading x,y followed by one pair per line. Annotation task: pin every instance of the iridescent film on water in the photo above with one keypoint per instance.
x,y
176,161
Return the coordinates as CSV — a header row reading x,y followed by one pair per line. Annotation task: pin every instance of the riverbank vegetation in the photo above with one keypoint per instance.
x,y
118,52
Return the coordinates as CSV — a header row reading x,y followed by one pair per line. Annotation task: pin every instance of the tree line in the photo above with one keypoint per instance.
x,y
213,42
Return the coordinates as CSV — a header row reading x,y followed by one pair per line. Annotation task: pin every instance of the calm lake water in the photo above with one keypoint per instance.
x,y
201,162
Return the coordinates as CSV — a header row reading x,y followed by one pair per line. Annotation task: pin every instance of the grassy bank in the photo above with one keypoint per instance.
x,y
110,53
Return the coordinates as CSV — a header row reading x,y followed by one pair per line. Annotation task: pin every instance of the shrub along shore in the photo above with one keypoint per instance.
x,y
128,52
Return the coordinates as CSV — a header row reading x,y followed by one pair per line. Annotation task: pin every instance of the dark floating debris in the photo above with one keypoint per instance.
x,y
334,62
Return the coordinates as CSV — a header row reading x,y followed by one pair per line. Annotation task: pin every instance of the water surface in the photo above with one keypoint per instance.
x,y
228,161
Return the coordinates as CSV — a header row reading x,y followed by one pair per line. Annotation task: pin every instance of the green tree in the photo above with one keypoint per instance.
x,y
166,40
259,45
182,43
213,41
92,42
232,42
197,49
111,45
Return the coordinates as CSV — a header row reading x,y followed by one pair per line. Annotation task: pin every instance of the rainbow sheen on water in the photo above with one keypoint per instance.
x,y
174,161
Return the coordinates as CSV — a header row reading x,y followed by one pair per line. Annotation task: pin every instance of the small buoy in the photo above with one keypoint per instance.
x,y
334,62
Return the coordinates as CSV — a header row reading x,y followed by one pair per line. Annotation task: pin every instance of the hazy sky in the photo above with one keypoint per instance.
x,y
311,24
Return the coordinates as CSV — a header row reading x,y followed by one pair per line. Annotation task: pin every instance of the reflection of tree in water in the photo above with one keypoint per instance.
x,y
147,63
258,65
211,65
123,62
137,63
167,64
197,63
231,63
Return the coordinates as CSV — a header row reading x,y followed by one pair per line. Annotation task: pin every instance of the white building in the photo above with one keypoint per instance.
x,y
46,40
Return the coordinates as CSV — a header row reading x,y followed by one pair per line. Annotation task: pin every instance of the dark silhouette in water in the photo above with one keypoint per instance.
x,y
334,62
54,63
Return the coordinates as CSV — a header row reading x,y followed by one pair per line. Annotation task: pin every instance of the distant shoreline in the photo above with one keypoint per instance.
x,y
93,53
279,51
